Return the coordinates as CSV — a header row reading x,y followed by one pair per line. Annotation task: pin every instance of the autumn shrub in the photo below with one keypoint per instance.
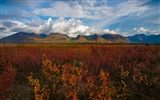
x,y
71,82
7,79
80,71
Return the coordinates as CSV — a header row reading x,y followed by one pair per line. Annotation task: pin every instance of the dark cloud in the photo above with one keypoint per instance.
x,y
18,30
2,28
8,24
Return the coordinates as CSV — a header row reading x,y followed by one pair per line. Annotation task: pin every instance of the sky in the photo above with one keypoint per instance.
x,y
80,17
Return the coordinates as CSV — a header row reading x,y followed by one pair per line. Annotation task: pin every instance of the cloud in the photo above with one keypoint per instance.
x,y
142,30
101,13
11,27
16,13
97,14
110,31
2,28
69,27
62,9
7,24
132,9
93,9
46,28
35,22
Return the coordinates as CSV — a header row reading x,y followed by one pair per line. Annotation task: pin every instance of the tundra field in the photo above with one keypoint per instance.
x,y
79,72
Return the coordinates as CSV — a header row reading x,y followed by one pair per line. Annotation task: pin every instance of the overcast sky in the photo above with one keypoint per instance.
x,y
73,17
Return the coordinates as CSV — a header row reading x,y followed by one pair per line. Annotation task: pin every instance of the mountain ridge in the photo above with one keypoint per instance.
x,y
142,38
23,37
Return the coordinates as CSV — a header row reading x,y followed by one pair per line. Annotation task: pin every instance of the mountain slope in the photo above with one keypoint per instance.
x,y
80,38
21,37
95,38
141,38
55,38
115,38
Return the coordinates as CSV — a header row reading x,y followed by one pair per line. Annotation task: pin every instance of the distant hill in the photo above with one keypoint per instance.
x,y
95,38
142,38
115,38
80,38
56,38
23,37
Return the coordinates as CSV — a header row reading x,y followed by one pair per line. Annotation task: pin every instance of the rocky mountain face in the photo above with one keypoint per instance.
x,y
23,37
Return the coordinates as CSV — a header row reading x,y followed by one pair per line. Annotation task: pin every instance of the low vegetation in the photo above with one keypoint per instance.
x,y
79,72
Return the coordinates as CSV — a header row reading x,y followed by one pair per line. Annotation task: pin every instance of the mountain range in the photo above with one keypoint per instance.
x,y
22,37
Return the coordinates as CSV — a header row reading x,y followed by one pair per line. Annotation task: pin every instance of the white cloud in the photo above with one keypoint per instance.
x,y
110,31
11,27
93,10
69,27
131,7
142,30
114,14
100,12
35,22
62,9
